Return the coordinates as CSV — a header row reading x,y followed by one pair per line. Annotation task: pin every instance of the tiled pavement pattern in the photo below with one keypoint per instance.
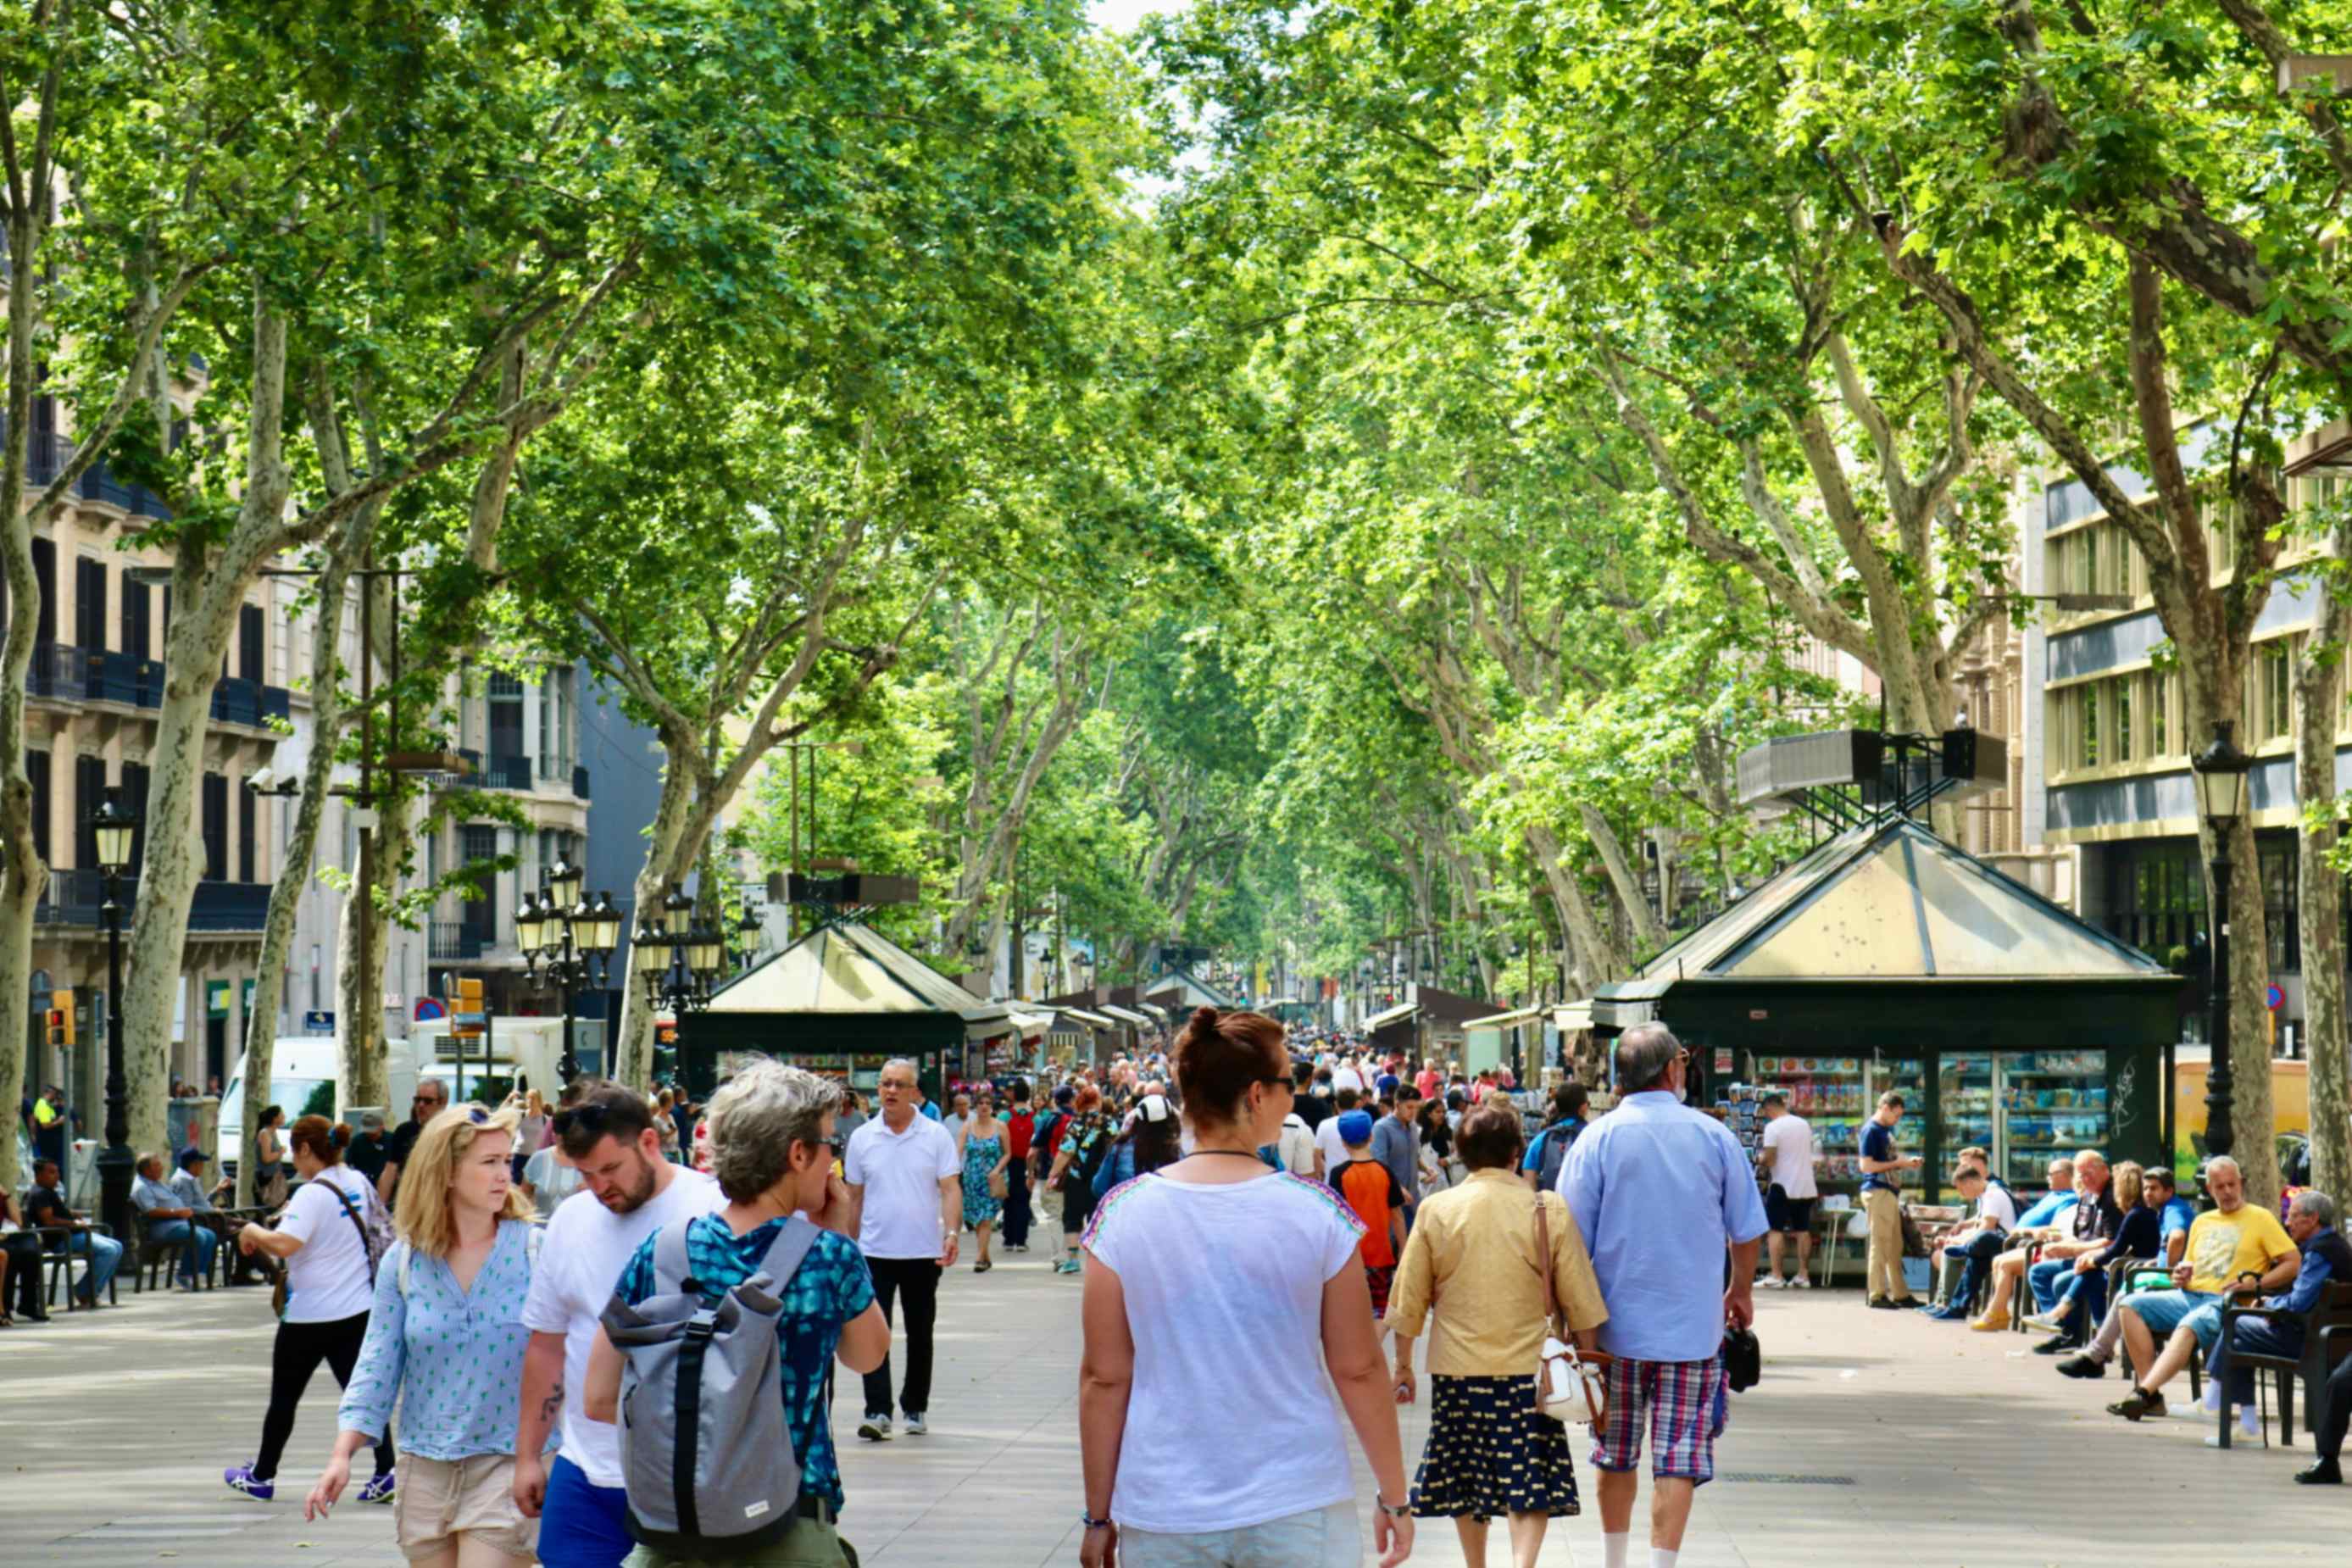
x,y
1876,1437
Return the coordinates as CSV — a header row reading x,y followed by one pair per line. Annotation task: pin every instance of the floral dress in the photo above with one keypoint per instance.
x,y
979,1157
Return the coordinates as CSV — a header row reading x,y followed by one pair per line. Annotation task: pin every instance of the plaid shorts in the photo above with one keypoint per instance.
x,y
1679,1397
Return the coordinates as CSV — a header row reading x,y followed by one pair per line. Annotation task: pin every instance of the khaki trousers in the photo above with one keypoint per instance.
x,y
1885,1269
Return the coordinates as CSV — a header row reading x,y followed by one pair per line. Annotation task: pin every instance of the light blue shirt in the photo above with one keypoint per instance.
x,y
2052,1205
2177,1216
1657,1189
452,1357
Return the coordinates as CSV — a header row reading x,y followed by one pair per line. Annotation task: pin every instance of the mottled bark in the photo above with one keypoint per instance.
x,y
2318,705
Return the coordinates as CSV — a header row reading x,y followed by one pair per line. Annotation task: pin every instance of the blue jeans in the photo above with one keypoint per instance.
x,y
582,1524
196,1251
2253,1336
103,1252
2165,1311
2045,1276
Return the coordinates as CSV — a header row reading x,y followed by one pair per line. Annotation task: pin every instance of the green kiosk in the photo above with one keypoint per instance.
x,y
841,1001
1887,958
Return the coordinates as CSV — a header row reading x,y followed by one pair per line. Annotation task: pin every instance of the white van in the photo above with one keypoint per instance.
x,y
522,1052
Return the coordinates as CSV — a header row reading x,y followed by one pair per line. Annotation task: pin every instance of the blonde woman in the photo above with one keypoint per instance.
x,y
532,1131
446,1341
2082,1291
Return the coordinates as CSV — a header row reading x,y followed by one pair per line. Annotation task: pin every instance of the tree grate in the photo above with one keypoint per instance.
x,y
1770,1478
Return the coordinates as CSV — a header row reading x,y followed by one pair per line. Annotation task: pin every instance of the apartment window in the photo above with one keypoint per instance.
x,y
481,842
2155,690
2281,908
90,788
37,770
245,834
136,781
2120,694
506,717
2085,703
44,572
2270,703
215,827
249,643
2156,896
137,636
89,604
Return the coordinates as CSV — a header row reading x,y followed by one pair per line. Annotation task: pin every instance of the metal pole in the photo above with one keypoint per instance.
x,y
114,1160
793,858
569,1067
362,984
2219,1137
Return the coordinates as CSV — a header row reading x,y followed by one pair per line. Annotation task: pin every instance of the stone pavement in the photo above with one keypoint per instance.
x,y
1876,1437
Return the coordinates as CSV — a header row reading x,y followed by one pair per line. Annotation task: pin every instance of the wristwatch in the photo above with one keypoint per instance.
x,y
1394,1510
1091,1522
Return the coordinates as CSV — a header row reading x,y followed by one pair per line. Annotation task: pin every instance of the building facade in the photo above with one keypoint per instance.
x,y
2106,739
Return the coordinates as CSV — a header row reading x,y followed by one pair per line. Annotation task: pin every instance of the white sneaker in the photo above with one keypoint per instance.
x,y
916,1426
2047,1322
875,1428
1773,1282
1801,1282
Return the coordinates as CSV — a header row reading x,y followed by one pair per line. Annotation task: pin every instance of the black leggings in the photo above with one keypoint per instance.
x,y
300,1349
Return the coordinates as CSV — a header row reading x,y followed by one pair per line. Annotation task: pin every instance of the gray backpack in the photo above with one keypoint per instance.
x,y
707,1461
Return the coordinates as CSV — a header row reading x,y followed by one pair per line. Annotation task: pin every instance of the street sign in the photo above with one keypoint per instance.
x,y
466,1009
316,1022
2274,998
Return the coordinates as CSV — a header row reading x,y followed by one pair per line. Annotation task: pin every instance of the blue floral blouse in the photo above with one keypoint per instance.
x,y
831,1287
451,1357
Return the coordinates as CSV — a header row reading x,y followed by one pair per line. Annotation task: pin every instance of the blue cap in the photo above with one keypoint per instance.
x,y
193,1156
1355,1126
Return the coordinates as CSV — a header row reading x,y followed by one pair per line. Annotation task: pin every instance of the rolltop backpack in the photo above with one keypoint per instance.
x,y
705,1456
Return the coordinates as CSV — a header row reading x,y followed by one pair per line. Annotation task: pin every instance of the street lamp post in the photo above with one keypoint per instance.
x,y
681,958
2220,769
114,827
573,939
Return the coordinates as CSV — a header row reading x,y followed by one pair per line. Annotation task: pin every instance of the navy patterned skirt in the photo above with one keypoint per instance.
x,y
1490,1455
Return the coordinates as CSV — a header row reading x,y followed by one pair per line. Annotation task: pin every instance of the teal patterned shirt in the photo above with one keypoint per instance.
x,y
830,1288
451,1357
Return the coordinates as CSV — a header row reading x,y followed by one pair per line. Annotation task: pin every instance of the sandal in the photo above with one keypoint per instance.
x,y
983,1266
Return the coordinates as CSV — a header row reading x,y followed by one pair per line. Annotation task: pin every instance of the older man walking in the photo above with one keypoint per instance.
x,y
1658,1190
905,1187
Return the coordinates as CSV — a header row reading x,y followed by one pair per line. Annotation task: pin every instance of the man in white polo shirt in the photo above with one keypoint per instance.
x,y
631,1191
906,1189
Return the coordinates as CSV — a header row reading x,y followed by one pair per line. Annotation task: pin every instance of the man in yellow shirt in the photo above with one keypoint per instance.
x,y
2233,1249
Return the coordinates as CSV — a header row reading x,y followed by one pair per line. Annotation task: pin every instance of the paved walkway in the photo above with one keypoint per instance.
x,y
1876,1437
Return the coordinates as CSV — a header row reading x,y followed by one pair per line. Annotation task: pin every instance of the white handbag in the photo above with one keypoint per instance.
x,y
1568,1386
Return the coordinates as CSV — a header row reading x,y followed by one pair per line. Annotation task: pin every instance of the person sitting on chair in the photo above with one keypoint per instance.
x,y
2325,1256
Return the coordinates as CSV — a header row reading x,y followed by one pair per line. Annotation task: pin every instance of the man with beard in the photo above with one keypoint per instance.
x,y
630,1191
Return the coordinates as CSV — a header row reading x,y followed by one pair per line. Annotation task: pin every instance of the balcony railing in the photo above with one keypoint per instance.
x,y
237,700
120,678
507,773
276,703
452,941
580,783
75,896
59,669
473,761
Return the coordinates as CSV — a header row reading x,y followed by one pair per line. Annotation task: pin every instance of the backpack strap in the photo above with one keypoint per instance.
x,y
673,1270
786,1256
352,1212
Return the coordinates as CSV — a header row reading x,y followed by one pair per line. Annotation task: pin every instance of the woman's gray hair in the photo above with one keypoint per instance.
x,y
756,1120
1644,1052
2318,1205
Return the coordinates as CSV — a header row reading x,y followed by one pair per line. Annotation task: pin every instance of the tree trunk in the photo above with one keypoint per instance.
x,y
1648,935
363,1064
209,585
633,1042
2319,697
294,869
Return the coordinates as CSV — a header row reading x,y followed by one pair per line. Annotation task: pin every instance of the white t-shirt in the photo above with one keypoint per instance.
x,y
580,1261
1346,1077
901,1172
1225,1291
1326,1139
1998,1207
551,1181
327,1280
1788,1139
1296,1145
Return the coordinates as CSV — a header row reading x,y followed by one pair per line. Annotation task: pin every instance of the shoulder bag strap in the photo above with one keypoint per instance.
x,y
1543,1266
352,1212
786,1256
673,1270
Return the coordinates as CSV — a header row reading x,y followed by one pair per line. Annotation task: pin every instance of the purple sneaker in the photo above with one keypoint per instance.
x,y
378,1488
243,1479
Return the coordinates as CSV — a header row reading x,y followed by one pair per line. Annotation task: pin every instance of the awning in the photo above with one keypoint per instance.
x,y
1125,1017
1505,1020
1280,1001
1572,1019
1155,1010
1031,1025
843,973
1091,1020
1397,1013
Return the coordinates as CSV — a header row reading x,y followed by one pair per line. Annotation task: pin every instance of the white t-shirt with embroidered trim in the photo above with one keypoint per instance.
x,y
1231,1420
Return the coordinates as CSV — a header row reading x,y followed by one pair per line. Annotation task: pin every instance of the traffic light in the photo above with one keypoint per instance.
x,y
61,1018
